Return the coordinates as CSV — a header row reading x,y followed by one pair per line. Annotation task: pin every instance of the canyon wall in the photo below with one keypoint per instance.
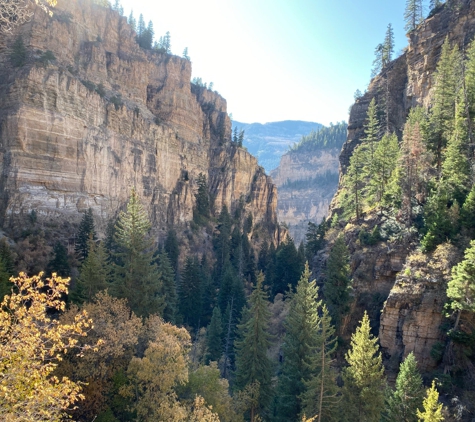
x,y
80,130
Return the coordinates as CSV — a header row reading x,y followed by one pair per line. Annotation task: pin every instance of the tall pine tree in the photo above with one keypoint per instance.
x,y
85,230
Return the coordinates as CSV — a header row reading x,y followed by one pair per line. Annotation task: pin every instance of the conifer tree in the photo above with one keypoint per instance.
x,y
321,391
363,390
190,293
6,268
172,249
131,21
353,182
140,26
231,288
94,274
470,90
337,281
447,84
461,288
456,166
60,262
413,14
167,276
300,342
406,399
371,130
221,241
85,230
315,238
432,408
136,276
435,3
252,363
201,212
288,267
388,49
185,54
214,337
467,214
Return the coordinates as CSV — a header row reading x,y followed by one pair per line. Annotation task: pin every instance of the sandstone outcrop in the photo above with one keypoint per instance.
x,y
103,116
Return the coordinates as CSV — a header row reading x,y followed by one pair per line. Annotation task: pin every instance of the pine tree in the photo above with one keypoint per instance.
x,y
190,293
172,249
185,54
378,60
136,276
321,391
467,214
363,390
60,262
461,288
252,362
435,3
456,166
214,337
167,276
315,238
406,399
288,268
432,408
413,14
388,46
131,21
221,241
94,274
85,230
447,84
337,281
300,342
371,130
201,212
140,26
165,43
353,183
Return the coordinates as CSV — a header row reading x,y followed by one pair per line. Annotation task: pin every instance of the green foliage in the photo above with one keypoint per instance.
x,y
467,213
86,230
315,238
18,54
321,396
406,399
131,20
432,408
333,136
190,303
169,293
94,273
136,276
60,262
172,249
363,390
117,101
6,268
300,342
252,362
214,336
413,14
337,281
185,54
288,267
46,58
201,212
353,183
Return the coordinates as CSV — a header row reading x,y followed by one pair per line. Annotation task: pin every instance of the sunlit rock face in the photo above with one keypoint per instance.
x,y
106,116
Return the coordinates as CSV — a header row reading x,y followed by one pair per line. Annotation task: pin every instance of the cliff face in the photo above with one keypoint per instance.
x,y
306,182
105,116
412,312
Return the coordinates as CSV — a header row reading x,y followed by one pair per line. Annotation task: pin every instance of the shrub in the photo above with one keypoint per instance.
x,y
46,58
18,53
117,101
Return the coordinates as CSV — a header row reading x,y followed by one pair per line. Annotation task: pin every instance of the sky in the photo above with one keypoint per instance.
x,y
276,60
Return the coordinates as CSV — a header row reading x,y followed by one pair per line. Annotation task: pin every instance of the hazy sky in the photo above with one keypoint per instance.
x,y
278,59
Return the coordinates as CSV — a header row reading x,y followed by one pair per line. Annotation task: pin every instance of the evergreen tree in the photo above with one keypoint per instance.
x,y
85,230
371,130
185,54
214,337
252,362
190,293
447,83
378,60
456,166
6,285
172,249
131,21
321,391
300,342
363,390
432,408
388,49
136,276
221,241
94,274
406,399
337,281
60,262
165,43
201,212
413,14
145,39
470,91
231,288
315,238
461,288
18,53
140,26
167,276
6,268
467,214
288,267
353,183
435,3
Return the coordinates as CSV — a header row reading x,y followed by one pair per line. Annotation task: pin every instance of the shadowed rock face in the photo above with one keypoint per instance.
x,y
412,314
105,116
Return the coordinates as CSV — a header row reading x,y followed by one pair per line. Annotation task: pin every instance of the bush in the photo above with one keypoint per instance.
x,y
46,58
18,53
91,86
101,90
117,101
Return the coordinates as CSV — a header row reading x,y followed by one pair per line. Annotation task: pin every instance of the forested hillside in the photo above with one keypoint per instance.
x,y
180,298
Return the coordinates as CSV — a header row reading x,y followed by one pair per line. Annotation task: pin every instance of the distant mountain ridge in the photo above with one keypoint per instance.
x,y
269,141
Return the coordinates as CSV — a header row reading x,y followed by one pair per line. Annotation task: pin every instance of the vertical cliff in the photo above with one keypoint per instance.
x,y
104,115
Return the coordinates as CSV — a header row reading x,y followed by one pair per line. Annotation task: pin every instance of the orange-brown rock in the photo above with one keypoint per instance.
x,y
105,116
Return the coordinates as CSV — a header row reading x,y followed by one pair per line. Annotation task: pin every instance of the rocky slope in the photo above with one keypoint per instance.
x,y
103,116
306,183
412,312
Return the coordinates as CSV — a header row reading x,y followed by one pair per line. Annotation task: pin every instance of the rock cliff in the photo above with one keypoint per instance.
x,y
412,312
306,182
81,129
